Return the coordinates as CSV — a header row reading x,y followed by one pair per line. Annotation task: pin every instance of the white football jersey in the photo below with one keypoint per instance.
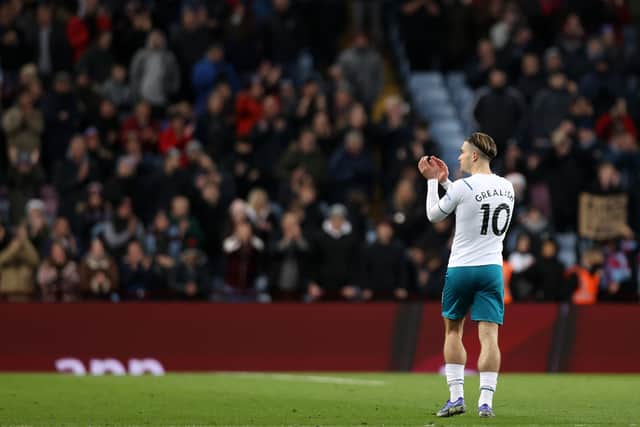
x,y
483,205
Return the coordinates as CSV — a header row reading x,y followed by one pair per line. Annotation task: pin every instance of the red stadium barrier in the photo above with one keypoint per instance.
x,y
605,339
525,339
136,338
154,338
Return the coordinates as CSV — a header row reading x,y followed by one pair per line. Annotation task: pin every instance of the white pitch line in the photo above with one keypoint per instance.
x,y
309,378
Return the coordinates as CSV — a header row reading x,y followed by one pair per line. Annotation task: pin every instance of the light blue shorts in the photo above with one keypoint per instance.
x,y
479,288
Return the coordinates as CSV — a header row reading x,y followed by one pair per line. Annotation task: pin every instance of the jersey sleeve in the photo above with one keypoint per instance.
x,y
438,209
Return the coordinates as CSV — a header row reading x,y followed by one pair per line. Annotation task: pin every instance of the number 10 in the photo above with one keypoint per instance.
x,y
486,211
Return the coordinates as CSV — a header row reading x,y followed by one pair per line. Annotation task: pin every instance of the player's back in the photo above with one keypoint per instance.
x,y
483,214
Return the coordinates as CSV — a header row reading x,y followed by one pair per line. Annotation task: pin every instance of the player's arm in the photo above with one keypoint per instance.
x,y
440,208
436,171
443,172
446,184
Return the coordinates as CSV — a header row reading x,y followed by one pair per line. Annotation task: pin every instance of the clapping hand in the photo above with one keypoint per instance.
x,y
443,169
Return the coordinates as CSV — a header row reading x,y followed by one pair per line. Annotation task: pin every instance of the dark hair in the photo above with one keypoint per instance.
x,y
484,143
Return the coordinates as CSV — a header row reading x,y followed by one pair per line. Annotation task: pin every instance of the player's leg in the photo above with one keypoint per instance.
x,y
488,365
456,300
455,357
488,311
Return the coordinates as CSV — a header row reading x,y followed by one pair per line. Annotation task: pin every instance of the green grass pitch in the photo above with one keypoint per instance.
x,y
311,399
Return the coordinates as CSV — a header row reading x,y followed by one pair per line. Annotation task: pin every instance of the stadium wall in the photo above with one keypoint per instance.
x,y
170,337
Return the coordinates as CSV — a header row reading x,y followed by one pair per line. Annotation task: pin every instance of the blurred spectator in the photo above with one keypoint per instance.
x,y
23,124
616,284
176,135
571,44
214,128
407,212
564,179
73,174
154,72
163,240
49,42
477,72
248,107
408,152
269,139
531,222
521,261
323,130
607,181
190,278
13,44
108,124
310,208
206,72
61,233
189,41
25,178
343,102
58,276
427,272
98,273
171,178
121,229
100,156
350,168
312,101
261,214
584,279
36,224
362,67
188,226
304,156
438,237
62,117
547,275
290,258
602,85
244,267
550,106
18,262
531,79
90,212
499,110
143,124
132,32
614,120
420,22
284,37
335,252
98,60
210,211
116,89
384,267
241,38
137,280
394,131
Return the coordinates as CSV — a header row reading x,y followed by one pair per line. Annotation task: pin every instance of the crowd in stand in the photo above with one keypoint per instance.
x,y
556,86
226,150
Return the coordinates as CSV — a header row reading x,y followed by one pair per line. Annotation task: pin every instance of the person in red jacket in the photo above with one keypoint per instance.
x,y
617,117
176,135
143,125
249,107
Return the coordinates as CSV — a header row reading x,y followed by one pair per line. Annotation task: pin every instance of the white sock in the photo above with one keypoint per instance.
x,y
455,379
488,382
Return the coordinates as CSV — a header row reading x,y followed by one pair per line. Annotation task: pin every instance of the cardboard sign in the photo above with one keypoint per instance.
x,y
602,217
